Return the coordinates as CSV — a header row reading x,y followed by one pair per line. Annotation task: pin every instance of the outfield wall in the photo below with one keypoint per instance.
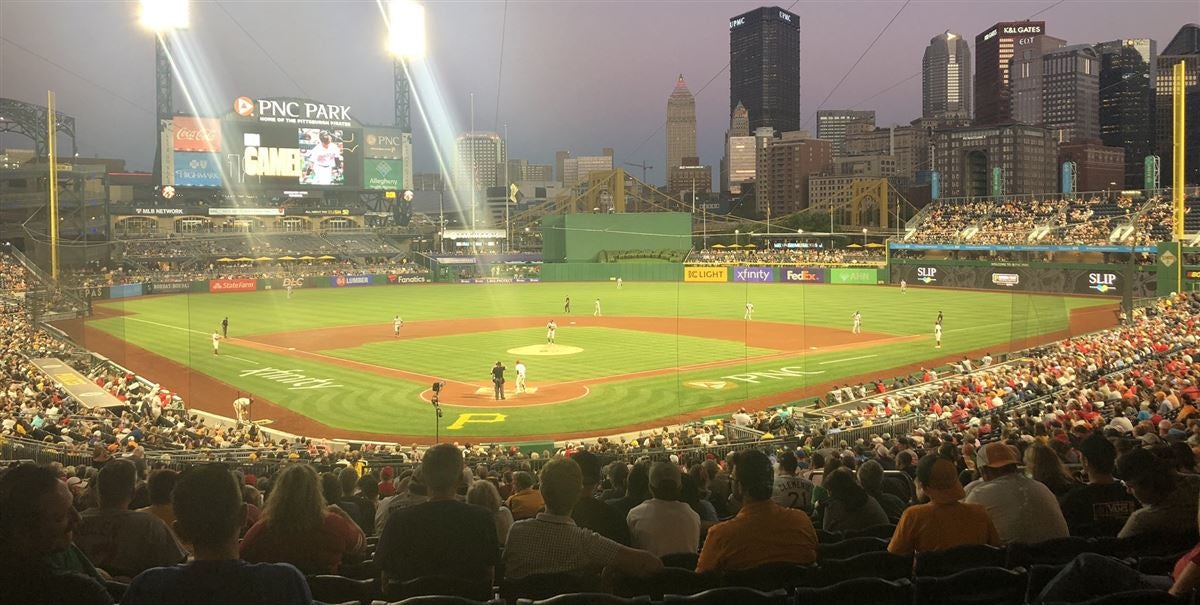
x,y
249,284
1104,280
607,271
579,238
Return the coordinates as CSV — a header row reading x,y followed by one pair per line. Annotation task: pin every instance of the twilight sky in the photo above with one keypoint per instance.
x,y
578,75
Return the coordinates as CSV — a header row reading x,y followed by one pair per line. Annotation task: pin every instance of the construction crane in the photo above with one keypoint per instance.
x,y
643,166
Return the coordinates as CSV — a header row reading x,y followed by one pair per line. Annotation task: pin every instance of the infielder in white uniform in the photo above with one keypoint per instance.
x,y
749,314
937,334
397,323
857,318
216,338
520,376
596,308
551,328
903,286
241,407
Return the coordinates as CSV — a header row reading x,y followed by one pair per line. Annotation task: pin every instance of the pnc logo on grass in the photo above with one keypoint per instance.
x,y
711,385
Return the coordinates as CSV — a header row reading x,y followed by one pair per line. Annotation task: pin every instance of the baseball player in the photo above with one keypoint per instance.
x,y
225,327
567,305
551,328
520,367
241,408
216,340
903,287
397,323
749,314
289,290
619,283
939,319
596,308
857,319
937,334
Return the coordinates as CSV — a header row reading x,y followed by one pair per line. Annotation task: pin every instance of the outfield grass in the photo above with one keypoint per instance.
x,y
178,328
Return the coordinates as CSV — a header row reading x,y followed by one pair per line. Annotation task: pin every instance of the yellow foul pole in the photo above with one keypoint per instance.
x,y
52,146
1180,150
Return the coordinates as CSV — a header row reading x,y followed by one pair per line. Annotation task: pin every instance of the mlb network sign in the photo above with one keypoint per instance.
x,y
292,111
753,274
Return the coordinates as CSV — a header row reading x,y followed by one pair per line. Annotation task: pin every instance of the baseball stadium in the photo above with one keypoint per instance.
x,y
948,362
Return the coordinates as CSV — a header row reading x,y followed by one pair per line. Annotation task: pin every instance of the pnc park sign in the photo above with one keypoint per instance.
x,y
293,111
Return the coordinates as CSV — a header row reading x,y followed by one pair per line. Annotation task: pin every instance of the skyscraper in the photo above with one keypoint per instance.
x,y
681,127
1025,82
1183,48
1127,72
946,78
735,168
1071,93
994,48
783,169
481,157
764,67
834,124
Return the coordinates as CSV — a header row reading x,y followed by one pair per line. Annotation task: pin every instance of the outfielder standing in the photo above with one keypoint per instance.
x,y
749,314
520,367
289,290
596,308
857,319
903,287
618,283
567,305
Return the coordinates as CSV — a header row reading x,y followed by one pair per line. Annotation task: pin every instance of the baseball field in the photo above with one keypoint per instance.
x,y
326,363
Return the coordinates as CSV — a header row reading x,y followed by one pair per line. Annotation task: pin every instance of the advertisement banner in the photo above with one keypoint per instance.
x,y
403,279
802,275
753,274
1028,279
345,281
1006,280
232,285
705,274
168,288
1098,282
383,174
383,143
196,134
124,290
245,211
853,276
197,169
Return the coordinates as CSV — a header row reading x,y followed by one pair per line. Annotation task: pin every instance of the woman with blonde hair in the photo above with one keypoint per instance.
x,y
1044,465
298,527
484,493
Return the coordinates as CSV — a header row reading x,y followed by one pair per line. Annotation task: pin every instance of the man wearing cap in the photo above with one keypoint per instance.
x,y
762,531
663,525
1168,500
945,521
1022,509
1101,507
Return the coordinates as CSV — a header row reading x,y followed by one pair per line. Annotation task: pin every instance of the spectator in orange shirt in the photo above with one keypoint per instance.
x,y
762,532
526,502
945,521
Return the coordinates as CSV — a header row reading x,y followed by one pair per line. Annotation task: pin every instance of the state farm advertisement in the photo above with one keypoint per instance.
x,y
196,134
232,285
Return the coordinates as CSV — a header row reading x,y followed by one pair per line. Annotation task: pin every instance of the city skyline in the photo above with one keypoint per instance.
x,y
608,103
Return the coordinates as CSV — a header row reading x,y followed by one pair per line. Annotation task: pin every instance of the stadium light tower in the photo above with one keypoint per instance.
x,y
162,17
406,40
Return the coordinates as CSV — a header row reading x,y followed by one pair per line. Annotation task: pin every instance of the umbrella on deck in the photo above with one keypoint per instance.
x,y
717,246
225,260
854,246
243,259
306,257
874,245
263,258
287,258
326,257
735,246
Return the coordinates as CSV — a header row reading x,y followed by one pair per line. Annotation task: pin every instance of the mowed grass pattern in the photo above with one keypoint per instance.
x,y
606,352
178,328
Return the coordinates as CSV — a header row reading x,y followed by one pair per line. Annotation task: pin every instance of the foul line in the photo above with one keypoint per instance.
x,y
846,359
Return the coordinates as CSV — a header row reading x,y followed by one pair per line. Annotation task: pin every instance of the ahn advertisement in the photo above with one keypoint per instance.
x,y
706,274
347,281
279,155
196,134
753,274
802,275
383,174
217,286
197,169
853,276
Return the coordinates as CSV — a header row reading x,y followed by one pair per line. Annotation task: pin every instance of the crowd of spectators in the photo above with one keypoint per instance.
x,y
873,256
258,244
1087,221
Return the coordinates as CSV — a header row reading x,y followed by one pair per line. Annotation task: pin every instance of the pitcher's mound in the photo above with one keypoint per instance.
x,y
546,349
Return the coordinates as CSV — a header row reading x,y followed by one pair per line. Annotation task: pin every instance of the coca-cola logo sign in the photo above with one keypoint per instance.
x,y
196,134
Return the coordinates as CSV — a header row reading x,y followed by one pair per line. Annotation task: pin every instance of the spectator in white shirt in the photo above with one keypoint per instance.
x,y
663,525
1022,509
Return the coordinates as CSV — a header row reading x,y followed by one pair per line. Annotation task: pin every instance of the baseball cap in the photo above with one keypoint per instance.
x,y
997,455
939,479
1120,424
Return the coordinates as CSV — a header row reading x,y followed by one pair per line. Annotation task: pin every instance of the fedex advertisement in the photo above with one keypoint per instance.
x,y
753,274
802,275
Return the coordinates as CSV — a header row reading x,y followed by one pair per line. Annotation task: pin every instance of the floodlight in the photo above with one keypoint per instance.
x,y
164,15
406,29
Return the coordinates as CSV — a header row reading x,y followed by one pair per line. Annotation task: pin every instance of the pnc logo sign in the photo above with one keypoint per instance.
x,y
244,106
